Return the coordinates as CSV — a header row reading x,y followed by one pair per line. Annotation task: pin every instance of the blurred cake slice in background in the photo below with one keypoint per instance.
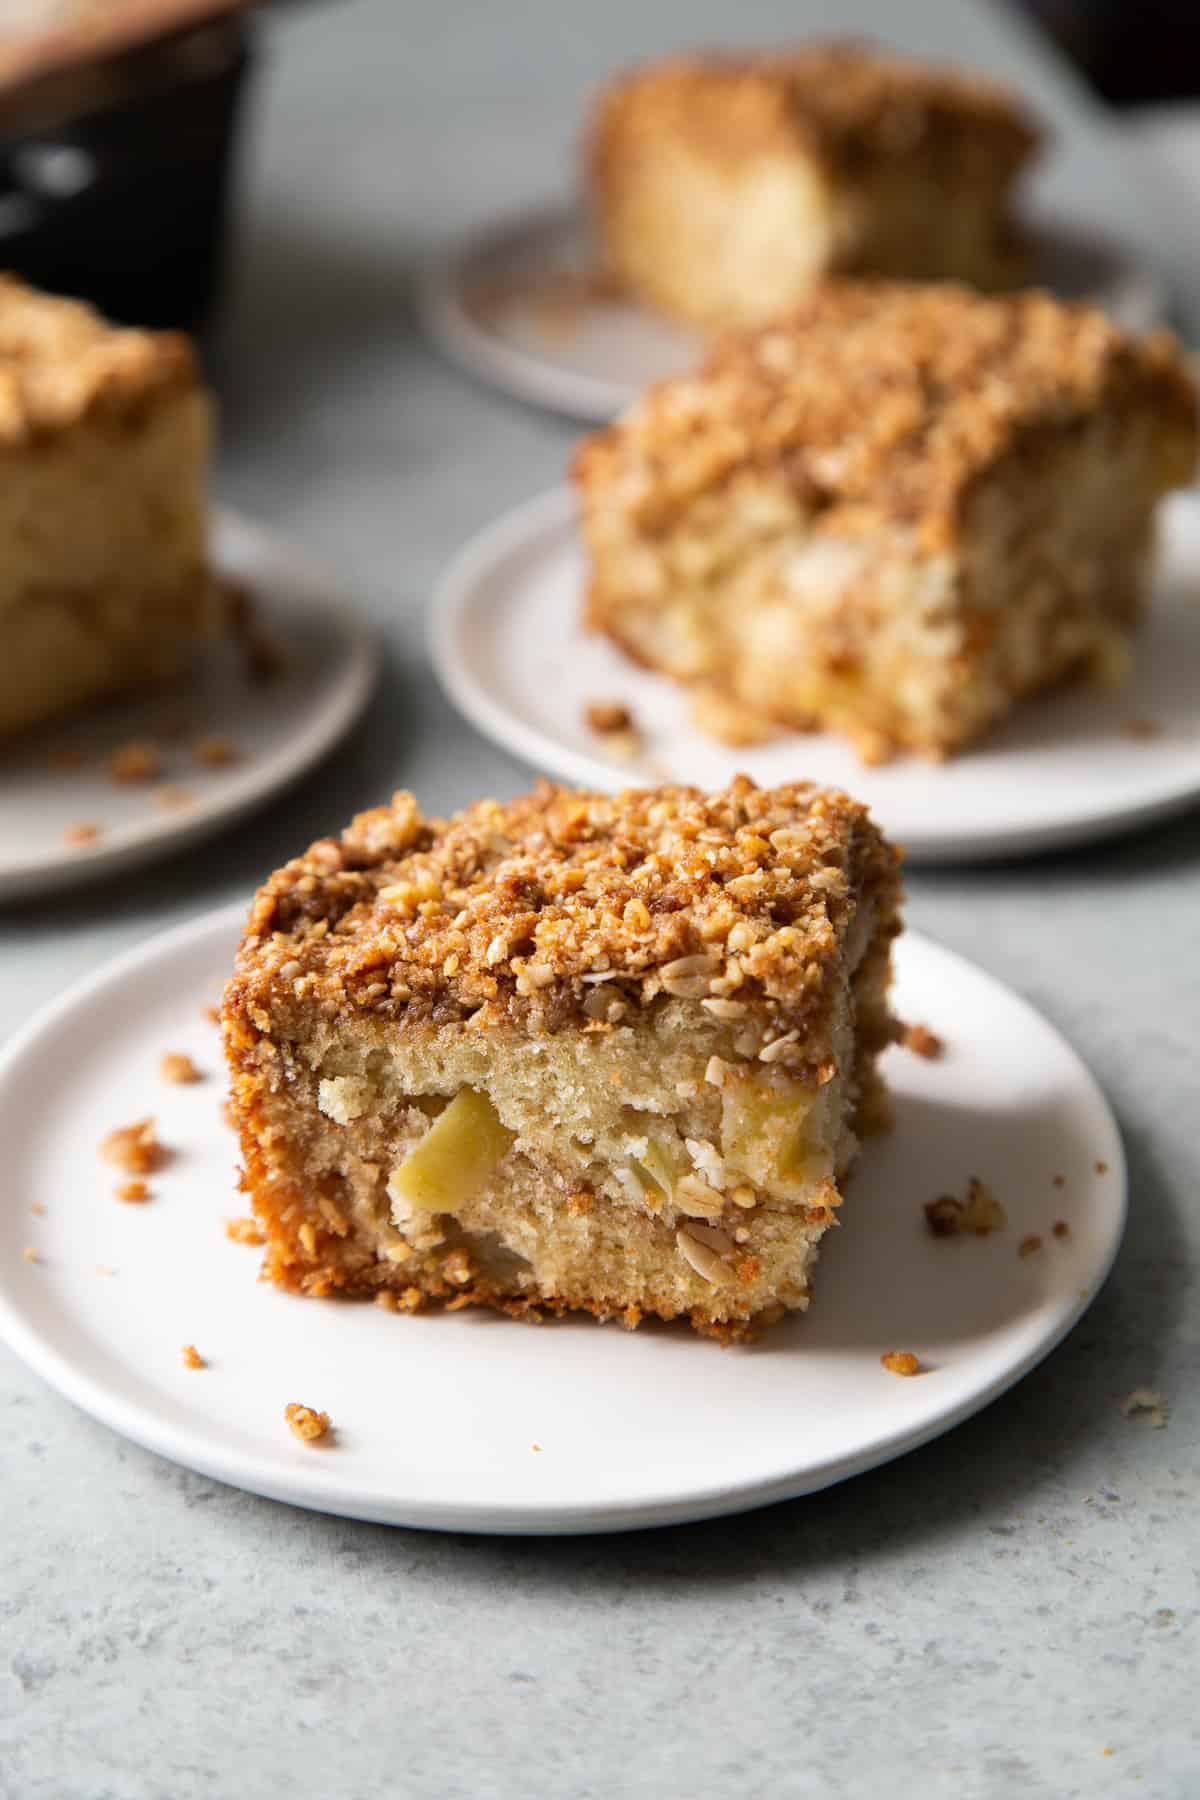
x,y
723,186
104,443
892,512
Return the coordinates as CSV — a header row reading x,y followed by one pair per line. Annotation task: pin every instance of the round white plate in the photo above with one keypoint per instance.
x,y
468,1421
509,646
514,307
278,729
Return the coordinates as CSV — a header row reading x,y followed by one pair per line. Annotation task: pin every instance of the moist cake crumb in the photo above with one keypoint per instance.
x,y
192,1358
135,763
177,1067
306,1422
244,1231
134,1192
901,1362
1029,1246
135,1148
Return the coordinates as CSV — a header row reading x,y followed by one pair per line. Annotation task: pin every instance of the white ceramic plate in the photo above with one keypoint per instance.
x,y
278,728
468,1421
511,307
511,652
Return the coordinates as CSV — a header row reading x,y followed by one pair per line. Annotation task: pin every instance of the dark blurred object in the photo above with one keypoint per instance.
x,y
115,168
1132,51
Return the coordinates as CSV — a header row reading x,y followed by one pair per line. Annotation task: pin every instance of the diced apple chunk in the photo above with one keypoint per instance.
x,y
454,1158
763,1130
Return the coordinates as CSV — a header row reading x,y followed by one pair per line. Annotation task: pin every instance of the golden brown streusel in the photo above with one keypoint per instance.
x,y
515,912
192,1358
901,1362
212,1014
135,1148
605,716
244,1231
885,401
135,762
306,1422
178,1068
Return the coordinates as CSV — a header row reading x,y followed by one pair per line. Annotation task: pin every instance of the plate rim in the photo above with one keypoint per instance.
x,y
177,1442
162,836
552,511
574,394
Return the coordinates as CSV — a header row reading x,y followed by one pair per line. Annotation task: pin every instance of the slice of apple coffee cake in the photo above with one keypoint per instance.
x,y
578,1051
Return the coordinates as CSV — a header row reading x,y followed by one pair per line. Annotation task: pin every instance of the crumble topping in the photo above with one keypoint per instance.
x,y
882,401
60,363
735,899
306,1422
178,1068
135,1148
244,1231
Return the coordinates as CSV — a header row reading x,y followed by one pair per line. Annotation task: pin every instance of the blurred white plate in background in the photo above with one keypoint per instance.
x,y
1071,766
277,728
470,1422
520,308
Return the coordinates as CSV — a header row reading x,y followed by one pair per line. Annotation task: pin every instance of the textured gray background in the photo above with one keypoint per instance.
x,y
983,1618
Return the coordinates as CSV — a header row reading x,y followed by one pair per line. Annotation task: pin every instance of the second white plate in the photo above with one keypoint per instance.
x,y
510,649
64,820
467,1421
519,308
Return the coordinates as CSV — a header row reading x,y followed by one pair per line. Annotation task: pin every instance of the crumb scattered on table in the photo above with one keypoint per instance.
x,y
84,833
306,1422
901,1362
135,762
192,1358
976,1216
1029,1246
214,752
1061,1228
1149,1401
134,1192
244,1231
30,1254
178,1068
135,1148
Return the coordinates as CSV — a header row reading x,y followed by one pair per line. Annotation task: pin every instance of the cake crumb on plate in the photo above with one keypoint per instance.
x,y
178,1068
901,1362
135,762
133,1192
306,1422
192,1358
135,1148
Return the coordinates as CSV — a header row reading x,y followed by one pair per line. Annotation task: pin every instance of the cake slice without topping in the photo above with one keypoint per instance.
x,y
573,1052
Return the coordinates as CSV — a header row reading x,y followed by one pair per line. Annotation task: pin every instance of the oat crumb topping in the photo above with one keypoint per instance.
x,y
306,1422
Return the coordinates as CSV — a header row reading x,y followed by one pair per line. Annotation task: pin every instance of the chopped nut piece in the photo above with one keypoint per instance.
x,y
901,1362
134,1192
1029,1246
1061,1228
83,833
134,1148
605,716
135,762
922,1042
306,1422
214,752
244,1231
178,1067
192,1358
1149,1401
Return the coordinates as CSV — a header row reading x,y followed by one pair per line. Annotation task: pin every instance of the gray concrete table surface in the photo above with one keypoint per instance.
x,y
1010,1610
